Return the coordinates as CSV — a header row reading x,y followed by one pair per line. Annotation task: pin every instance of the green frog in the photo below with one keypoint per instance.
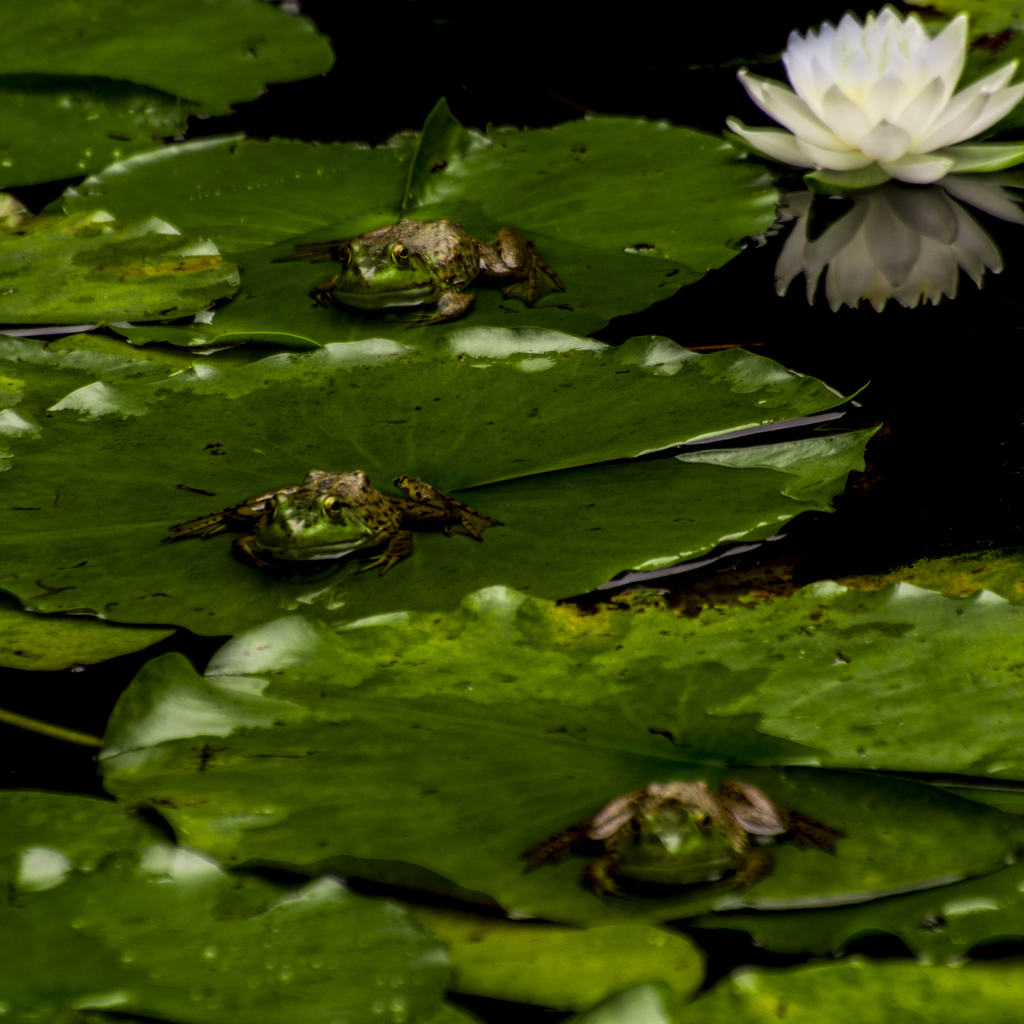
x,y
331,515
424,262
683,833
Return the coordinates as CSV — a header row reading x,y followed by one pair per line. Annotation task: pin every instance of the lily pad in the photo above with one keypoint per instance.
x,y
858,991
491,408
457,741
214,52
650,1003
568,968
274,303
592,195
939,925
49,643
103,913
63,126
58,269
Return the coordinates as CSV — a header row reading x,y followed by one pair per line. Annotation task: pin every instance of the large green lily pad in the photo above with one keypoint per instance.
x,y
63,126
139,445
60,269
102,913
649,1003
49,643
456,741
215,52
595,196
859,991
567,968
274,304
939,925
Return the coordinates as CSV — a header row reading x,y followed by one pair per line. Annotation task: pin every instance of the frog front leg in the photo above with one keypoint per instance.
x,y
321,293
450,306
244,551
399,547
752,866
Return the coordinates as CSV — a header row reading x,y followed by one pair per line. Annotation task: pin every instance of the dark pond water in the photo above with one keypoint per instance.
x,y
944,382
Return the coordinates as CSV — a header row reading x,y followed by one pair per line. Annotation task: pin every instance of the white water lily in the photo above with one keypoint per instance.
x,y
895,243
880,95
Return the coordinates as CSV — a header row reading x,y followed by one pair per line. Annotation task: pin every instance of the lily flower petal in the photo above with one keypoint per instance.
x,y
882,93
893,243
920,113
887,98
773,142
918,169
928,212
998,106
893,246
947,52
834,160
984,195
846,118
789,110
966,109
885,142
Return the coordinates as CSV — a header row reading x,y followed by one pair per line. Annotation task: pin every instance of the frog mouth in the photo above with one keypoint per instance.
x,y
379,298
312,554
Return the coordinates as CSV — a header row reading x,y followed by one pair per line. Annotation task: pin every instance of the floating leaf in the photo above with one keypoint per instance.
x,y
274,304
58,269
61,127
101,912
939,925
48,643
591,195
857,991
455,742
482,408
215,52
835,686
569,968
650,1003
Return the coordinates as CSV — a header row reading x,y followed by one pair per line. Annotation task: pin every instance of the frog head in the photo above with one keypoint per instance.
x,y
381,272
676,844
309,525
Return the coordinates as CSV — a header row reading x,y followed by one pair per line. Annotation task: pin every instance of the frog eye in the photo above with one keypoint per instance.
x,y
344,254
400,254
333,505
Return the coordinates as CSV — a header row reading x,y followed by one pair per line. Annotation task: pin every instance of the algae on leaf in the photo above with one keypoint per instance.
x,y
103,913
56,269
455,742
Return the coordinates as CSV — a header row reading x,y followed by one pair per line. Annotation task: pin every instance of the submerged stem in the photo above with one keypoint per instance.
x,y
58,732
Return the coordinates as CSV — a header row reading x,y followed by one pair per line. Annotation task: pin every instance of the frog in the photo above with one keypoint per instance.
x,y
425,262
683,834
332,515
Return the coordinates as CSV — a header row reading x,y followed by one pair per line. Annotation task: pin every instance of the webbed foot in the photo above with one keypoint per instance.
x,y
399,547
450,306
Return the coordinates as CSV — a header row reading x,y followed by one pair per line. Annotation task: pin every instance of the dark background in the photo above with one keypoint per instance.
x,y
944,471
